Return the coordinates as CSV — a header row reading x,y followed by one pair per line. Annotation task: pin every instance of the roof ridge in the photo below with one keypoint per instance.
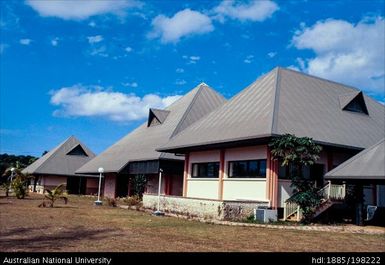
x,y
356,156
188,109
276,98
88,151
320,78
54,151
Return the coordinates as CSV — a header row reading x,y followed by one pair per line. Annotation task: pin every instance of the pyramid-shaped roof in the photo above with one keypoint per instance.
x,y
369,164
63,160
286,101
345,99
158,114
141,144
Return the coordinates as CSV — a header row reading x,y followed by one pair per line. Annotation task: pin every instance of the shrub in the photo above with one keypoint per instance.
x,y
52,196
138,183
111,202
19,187
132,200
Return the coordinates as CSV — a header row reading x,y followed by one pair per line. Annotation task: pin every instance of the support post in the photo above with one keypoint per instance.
x,y
186,173
221,174
158,212
298,214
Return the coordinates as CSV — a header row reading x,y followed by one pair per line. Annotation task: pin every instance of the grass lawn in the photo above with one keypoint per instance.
x,y
81,226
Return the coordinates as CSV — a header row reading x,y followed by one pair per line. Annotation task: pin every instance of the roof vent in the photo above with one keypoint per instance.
x,y
77,151
354,102
157,117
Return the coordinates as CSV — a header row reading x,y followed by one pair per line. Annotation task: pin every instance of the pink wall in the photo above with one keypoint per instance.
x,y
153,182
92,185
109,185
204,156
53,181
244,153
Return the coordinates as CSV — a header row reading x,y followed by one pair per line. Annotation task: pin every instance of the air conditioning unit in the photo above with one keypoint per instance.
x,y
265,215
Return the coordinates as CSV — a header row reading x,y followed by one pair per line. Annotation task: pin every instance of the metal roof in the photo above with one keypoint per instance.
x,y
368,164
140,144
286,101
59,162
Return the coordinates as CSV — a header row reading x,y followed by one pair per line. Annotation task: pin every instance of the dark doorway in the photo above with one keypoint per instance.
x,y
317,173
122,185
76,185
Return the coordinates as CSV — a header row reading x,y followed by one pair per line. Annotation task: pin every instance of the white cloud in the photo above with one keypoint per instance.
x,y
128,49
253,11
98,51
91,101
191,59
184,23
248,59
95,39
55,42
272,54
345,52
80,9
132,84
180,82
25,41
179,70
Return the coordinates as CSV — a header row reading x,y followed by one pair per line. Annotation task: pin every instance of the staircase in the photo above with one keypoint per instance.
x,y
331,194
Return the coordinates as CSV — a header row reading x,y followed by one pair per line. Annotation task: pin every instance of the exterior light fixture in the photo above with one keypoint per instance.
x,y
158,212
12,173
101,171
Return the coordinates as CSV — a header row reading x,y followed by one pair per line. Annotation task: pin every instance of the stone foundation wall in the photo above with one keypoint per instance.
x,y
203,208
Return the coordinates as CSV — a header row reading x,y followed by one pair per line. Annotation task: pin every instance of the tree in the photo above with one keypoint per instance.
x,y
298,152
8,161
53,195
18,182
138,183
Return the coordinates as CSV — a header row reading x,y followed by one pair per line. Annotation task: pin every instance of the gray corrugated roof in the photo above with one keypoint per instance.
x,y
161,115
346,98
285,101
57,162
368,164
140,144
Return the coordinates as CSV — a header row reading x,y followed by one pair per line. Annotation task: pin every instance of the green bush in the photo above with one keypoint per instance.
x,y
19,187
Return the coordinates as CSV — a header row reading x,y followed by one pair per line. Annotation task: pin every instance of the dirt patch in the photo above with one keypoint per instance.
x,y
81,226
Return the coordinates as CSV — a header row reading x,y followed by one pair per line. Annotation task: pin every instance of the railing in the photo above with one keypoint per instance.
x,y
291,208
329,192
333,191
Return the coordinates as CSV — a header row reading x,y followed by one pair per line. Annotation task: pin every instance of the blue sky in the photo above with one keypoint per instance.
x,y
92,68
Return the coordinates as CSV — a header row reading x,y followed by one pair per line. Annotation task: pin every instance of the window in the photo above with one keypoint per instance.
x,y
247,169
77,151
357,104
312,172
205,170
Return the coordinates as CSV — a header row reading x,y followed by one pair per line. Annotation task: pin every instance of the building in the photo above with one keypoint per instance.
x,y
58,166
366,169
135,154
228,167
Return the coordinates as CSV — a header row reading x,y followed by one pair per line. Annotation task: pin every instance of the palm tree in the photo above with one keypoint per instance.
x,y
18,181
53,195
